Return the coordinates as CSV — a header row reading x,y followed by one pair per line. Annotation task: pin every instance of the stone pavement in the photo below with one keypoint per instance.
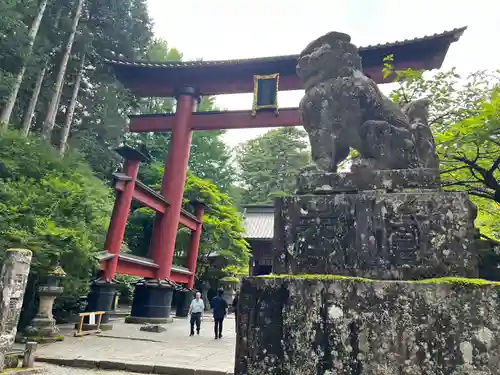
x,y
127,348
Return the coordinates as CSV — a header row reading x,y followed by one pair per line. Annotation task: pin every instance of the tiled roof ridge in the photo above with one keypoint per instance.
x,y
455,34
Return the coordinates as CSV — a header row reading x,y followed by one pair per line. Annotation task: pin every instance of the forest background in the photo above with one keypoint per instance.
x,y
63,113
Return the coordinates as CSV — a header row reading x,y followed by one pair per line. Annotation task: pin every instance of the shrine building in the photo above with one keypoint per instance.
x,y
188,82
258,221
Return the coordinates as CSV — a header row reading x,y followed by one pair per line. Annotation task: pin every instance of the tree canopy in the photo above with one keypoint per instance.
x,y
52,206
465,119
64,112
269,164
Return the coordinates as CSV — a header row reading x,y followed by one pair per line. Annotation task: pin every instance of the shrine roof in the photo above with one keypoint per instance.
x,y
258,221
149,78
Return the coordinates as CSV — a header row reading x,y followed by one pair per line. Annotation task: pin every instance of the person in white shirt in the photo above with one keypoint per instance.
x,y
196,310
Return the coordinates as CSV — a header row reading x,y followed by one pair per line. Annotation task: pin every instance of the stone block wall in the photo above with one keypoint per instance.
x,y
326,325
376,234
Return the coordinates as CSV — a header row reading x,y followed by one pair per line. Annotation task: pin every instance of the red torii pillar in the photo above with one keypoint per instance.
x,y
194,243
152,298
174,178
102,291
121,209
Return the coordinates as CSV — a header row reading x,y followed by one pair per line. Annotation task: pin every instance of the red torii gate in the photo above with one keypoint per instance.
x,y
186,81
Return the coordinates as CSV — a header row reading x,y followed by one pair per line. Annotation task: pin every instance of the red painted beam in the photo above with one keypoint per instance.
x,y
144,197
139,270
163,85
181,278
149,199
218,120
187,221
236,85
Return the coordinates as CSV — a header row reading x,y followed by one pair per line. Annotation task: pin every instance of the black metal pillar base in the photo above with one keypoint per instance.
x,y
152,302
100,298
183,303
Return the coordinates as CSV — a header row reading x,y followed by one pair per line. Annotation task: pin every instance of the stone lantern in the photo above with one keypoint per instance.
x,y
43,326
230,284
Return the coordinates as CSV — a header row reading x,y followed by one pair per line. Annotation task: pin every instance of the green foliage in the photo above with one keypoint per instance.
x,y
471,150
108,29
231,279
126,287
13,38
54,207
269,164
210,158
465,119
237,271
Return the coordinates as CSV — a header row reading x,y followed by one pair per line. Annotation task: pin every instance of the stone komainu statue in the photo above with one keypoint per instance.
x,y
343,108
418,116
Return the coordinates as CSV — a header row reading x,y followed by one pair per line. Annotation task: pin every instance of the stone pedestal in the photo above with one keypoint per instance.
x,y
376,234
204,295
13,279
230,287
152,302
43,326
327,325
351,300
390,180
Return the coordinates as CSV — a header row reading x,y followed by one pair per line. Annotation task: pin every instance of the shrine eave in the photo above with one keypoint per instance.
x,y
160,79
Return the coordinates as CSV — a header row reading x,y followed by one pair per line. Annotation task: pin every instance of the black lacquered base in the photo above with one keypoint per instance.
x,y
152,302
183,302
100,298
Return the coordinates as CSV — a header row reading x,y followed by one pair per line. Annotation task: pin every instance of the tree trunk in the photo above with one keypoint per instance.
x,y
9,106
28,116
72,105
50,118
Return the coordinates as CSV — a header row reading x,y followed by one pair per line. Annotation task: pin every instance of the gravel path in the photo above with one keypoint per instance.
x,y
59,370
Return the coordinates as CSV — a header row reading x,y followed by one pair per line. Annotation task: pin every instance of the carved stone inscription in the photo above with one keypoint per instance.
x,y
403,239
376,235
13,279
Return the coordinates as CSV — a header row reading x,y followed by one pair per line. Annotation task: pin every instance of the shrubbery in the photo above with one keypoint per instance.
x,y
54,207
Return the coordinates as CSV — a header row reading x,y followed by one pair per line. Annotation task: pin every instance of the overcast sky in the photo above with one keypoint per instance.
x,y
228,29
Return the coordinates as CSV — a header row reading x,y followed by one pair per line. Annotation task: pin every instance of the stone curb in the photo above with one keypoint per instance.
x,y
128,366
106,336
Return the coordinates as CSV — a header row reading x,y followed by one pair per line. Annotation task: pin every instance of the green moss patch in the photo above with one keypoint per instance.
x,y
44,339
230,279
456,280
440,280
25,371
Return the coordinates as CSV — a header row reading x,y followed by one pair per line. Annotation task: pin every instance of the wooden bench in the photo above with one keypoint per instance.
x,y
92,316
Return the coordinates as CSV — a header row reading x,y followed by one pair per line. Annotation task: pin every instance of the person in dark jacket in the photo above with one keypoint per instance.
x,y
219,307
235,307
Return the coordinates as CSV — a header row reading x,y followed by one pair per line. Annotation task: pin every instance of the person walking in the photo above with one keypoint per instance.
x,y
195,311
219,306
235,308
